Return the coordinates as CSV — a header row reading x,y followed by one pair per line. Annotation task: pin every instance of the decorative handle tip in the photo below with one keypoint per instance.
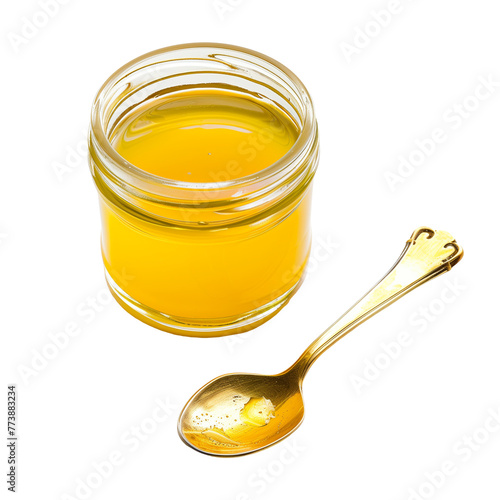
x,y
434,245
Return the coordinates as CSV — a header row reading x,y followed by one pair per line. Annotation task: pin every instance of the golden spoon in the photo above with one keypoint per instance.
x,y
241,413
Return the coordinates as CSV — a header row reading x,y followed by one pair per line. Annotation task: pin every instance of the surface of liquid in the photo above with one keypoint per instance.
x,y
205,136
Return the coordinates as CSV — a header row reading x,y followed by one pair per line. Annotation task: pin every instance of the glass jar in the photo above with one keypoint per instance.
x,y
212,258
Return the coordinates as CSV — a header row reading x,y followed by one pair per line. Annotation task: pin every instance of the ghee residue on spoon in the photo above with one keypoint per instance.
x,y
257,412
238,424
231,423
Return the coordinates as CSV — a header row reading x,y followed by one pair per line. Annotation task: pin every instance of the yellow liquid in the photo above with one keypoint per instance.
x,y
205,276
227,428
205,137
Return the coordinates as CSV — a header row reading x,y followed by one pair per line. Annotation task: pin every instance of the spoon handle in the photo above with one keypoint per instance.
x,y
427,254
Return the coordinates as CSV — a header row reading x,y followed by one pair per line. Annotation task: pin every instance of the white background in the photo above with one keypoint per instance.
x,y
379,441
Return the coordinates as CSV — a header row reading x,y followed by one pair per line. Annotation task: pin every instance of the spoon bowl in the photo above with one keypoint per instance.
x,y
241,413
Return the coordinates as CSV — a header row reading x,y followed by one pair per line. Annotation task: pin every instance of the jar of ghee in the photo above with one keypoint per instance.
x,y
203,156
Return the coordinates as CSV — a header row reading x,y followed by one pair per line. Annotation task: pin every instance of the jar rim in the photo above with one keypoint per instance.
x,y
107,151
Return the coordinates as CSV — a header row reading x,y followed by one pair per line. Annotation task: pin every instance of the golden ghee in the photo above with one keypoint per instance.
x,y
242,425
205,136
205,204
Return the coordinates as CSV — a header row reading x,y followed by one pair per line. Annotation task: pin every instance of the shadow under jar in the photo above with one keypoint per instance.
x,y
203,156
